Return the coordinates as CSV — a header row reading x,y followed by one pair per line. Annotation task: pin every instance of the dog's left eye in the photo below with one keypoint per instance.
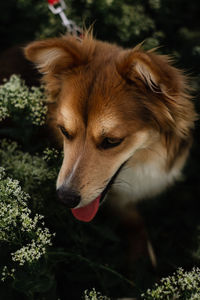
x,y
108,143
65,132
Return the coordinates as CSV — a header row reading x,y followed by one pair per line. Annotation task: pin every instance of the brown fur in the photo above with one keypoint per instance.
x,y
93,83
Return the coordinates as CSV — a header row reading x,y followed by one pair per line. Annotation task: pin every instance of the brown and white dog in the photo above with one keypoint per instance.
x,y
125,117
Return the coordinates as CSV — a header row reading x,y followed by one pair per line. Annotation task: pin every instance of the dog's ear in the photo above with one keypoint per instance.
x,y
164,95
57,54
56,57
150,69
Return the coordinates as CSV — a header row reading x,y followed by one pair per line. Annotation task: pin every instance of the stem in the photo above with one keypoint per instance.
x,y
80,257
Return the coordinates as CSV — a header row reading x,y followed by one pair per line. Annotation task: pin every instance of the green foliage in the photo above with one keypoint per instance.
x,y
26,236
94,295
15,95
182,285
31,170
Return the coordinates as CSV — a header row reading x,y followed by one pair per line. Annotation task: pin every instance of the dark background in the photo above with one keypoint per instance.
x,y
171,220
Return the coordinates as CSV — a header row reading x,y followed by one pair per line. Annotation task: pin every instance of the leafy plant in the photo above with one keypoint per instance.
x,y
25,235
181,285
94,295
15,96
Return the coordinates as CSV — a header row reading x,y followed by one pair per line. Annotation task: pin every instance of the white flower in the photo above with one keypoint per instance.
x,y
17,225
15,95
173,287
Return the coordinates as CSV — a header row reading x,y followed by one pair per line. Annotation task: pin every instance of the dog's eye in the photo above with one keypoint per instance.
x,y
65,133
108,143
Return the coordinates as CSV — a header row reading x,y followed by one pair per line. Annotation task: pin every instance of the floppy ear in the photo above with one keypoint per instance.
x,y
163,88
153,70
56,54
55,57
163,93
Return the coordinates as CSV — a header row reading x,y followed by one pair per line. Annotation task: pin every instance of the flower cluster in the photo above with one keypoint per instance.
x,y
37,108
17,225
181,285
7,273
35,249
50,154
13,202
31,170
94,295
15,95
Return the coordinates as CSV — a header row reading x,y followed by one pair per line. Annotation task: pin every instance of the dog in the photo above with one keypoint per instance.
x,y
125,118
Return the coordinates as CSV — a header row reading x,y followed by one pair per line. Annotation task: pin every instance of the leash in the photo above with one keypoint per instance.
x,y
58,7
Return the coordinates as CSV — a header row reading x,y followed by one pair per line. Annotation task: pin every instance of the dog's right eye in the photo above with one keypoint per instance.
x,y
65,132
108,143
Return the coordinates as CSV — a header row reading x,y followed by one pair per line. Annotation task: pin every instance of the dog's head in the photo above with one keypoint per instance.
x,y
109,104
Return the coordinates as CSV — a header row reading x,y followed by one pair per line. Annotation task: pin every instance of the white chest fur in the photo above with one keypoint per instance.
x,y
140,180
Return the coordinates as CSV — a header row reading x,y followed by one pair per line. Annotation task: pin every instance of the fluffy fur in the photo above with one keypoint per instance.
x,y
132,98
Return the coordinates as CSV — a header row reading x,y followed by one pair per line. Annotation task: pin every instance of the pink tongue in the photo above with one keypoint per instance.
x,y
88,212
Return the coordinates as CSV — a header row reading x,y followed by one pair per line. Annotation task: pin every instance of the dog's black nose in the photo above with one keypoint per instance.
x,y
68,196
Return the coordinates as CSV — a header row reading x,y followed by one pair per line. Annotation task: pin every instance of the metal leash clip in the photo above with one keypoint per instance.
x,y
57,9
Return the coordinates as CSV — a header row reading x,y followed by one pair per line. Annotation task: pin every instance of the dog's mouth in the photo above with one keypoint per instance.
x,y
88,212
